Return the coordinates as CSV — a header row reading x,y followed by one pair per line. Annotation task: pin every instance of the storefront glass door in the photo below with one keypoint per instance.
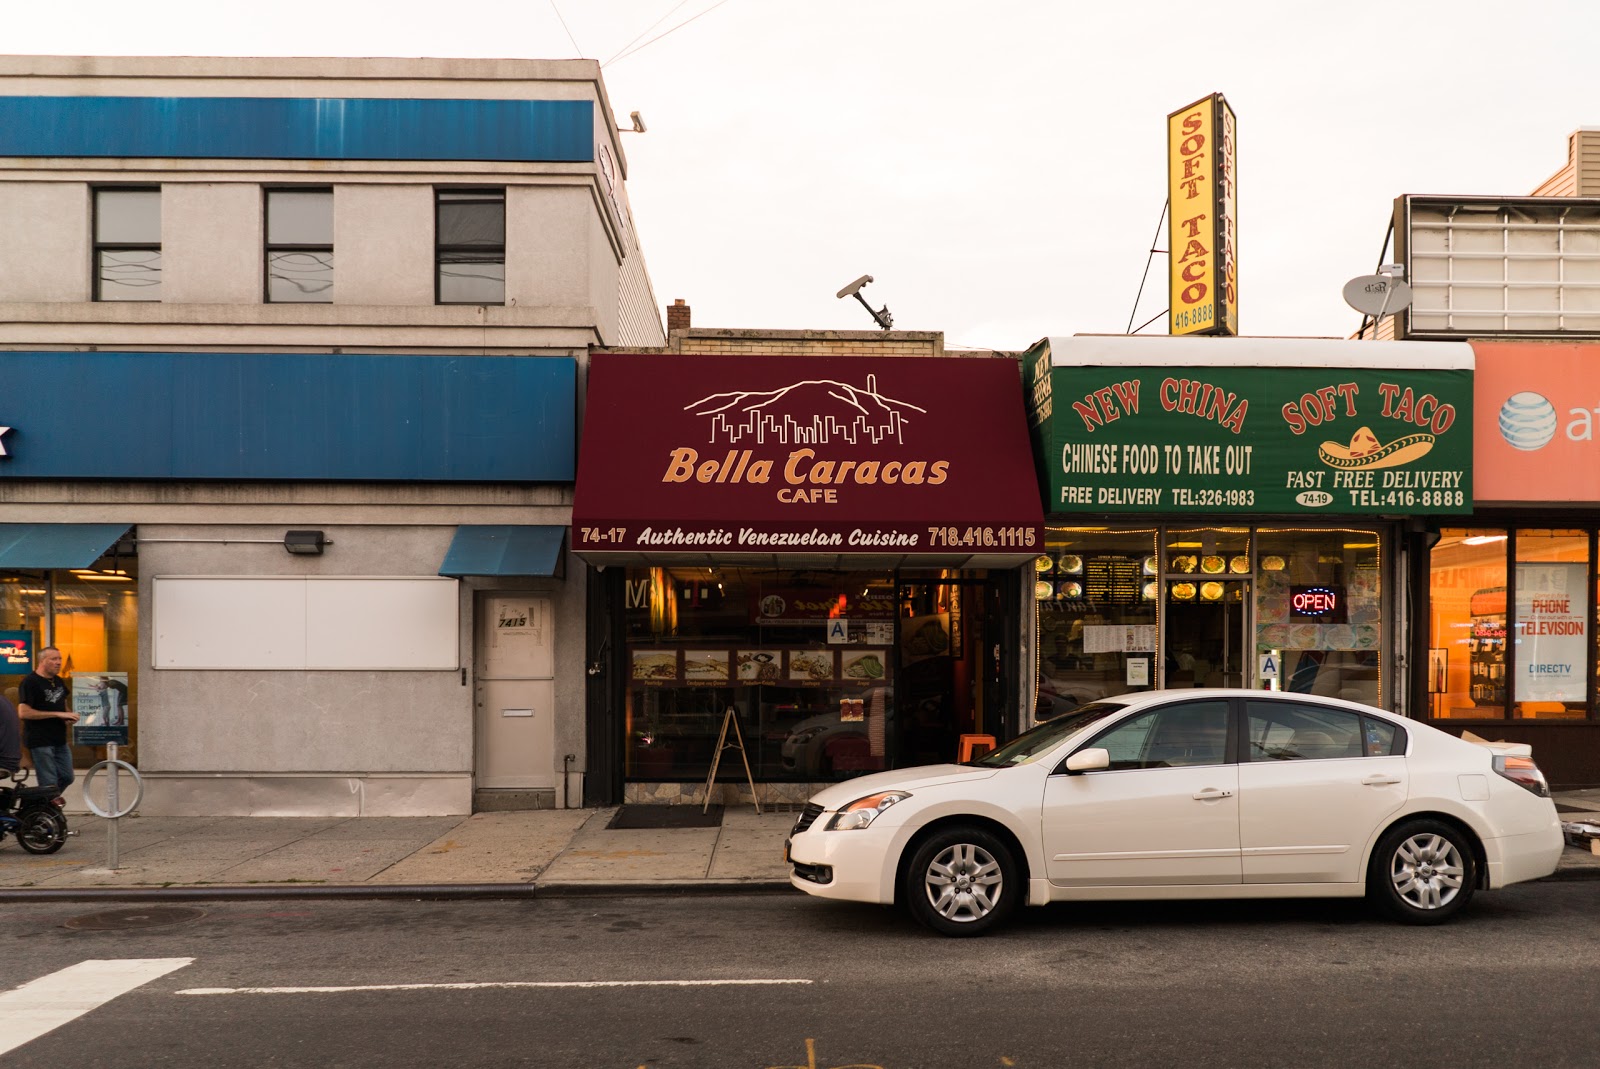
x,y
1206,602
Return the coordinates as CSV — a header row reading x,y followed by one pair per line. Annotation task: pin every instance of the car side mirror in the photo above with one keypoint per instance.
x,y
1088,760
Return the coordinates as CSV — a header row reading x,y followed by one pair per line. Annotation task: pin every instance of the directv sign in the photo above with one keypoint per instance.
x,y
16,653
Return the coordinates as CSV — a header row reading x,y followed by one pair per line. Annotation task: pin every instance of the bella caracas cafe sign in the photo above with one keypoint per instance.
x,y
804,454
1296,440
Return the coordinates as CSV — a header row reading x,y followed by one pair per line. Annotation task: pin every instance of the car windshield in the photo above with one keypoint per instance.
x,y
1036,741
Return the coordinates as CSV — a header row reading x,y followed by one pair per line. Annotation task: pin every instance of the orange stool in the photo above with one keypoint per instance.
x,y
974,746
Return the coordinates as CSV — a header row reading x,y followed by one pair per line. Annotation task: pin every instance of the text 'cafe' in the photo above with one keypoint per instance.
x,y
834,548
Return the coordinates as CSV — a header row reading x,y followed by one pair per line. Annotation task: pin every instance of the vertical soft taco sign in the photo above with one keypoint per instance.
x,y
1202,227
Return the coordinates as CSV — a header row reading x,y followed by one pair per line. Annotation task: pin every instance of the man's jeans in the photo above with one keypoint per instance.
x,y
52,764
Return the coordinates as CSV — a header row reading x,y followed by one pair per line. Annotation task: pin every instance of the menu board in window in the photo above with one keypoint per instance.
x,y
1113,580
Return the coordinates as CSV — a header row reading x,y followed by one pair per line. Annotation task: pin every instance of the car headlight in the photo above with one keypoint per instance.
x,y
863,811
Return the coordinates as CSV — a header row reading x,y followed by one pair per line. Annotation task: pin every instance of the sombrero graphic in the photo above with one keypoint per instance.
x,y
1365,451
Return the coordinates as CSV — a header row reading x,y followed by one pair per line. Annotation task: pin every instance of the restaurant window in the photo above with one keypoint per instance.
x,y
127,245
702,640
470,236
92,616
1550,637
299,249
1319,611
1467,624
1097,595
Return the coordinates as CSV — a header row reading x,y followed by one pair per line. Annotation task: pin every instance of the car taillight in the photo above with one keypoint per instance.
x,y
1523,772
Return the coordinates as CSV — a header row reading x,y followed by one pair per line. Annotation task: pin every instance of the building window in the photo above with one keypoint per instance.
x,y
1549,662
300,246
127,245
470,229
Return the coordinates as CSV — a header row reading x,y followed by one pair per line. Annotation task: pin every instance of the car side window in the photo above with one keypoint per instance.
x,y
1194,733
1284,731
1382,738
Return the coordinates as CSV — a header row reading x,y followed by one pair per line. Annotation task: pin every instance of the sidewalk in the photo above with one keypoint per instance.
x,y
547,852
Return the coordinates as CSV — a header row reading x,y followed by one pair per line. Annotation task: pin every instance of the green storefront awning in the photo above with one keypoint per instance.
x,y
42,546
506,549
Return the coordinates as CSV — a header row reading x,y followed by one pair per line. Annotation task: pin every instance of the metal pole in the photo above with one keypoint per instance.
x,y
112,804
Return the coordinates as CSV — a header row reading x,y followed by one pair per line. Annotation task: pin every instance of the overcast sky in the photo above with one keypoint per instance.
x,y
998,168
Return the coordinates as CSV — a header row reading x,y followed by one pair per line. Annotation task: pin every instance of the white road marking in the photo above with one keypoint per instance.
x,y
478,986
49,1002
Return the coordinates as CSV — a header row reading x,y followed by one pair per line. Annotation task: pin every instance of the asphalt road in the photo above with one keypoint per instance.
x,y
1234,985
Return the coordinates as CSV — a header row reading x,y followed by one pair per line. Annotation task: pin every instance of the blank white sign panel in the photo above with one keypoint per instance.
x,y
230,623
297,623
382,623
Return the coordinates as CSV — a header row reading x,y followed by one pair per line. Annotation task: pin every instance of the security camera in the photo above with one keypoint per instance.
x,y
638,123
854,287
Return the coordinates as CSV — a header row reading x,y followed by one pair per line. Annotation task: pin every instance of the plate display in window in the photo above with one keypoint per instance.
x,y
1043,590
1211,591
1043,564
1272,564
1213,565
1184,563
1239,565
1070,564
1149,566
1182,591
1071,590
1152,590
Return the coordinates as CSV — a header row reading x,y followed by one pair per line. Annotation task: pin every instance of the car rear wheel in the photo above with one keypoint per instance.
x,y
962,881
1423,872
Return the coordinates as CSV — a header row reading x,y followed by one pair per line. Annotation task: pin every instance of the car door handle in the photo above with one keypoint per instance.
x,y
1380,780
1211,794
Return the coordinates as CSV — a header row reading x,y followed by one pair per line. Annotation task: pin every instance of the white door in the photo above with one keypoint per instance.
x,y
1165,813
1310,797
515,691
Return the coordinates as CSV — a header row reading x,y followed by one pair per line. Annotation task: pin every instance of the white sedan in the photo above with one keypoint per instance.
x,y
1188,794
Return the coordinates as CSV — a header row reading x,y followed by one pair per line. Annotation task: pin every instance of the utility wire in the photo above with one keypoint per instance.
x,y
647,29
626,53
564,26
1146,276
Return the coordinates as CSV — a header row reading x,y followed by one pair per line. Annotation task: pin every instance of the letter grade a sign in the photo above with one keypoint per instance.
x,y
1202,219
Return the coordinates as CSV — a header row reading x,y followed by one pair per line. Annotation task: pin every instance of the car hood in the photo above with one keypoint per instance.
x,y
900,779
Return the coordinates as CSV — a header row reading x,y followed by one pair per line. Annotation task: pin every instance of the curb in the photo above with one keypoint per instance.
x,y
481,891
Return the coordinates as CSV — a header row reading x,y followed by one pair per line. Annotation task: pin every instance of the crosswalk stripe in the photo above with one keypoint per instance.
x,y
477,986
45,1004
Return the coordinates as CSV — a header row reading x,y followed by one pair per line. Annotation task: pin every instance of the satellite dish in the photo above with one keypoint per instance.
x,y
854,287
1377,295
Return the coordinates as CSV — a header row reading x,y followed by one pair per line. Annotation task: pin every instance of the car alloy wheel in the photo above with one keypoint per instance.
x,y
1426,871
962,881
1423,872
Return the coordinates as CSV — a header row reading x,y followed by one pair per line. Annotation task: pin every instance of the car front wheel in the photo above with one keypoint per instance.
x,y
962,881
1423,872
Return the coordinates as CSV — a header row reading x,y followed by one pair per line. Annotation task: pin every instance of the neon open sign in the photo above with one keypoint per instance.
x,y
1321,603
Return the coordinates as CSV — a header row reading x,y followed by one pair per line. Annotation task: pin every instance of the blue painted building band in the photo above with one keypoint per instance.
x,y
274,128
281,416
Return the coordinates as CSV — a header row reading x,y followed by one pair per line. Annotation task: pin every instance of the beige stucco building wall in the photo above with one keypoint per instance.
x,y
322,742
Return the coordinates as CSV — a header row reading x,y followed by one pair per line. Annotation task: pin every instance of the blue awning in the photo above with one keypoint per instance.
x,y
41,546
505,550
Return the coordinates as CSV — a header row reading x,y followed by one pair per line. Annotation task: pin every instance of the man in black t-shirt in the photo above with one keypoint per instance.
x,y
42,702
10,741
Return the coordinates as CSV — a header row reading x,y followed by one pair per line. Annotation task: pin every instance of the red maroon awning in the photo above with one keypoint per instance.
x,y
821,461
